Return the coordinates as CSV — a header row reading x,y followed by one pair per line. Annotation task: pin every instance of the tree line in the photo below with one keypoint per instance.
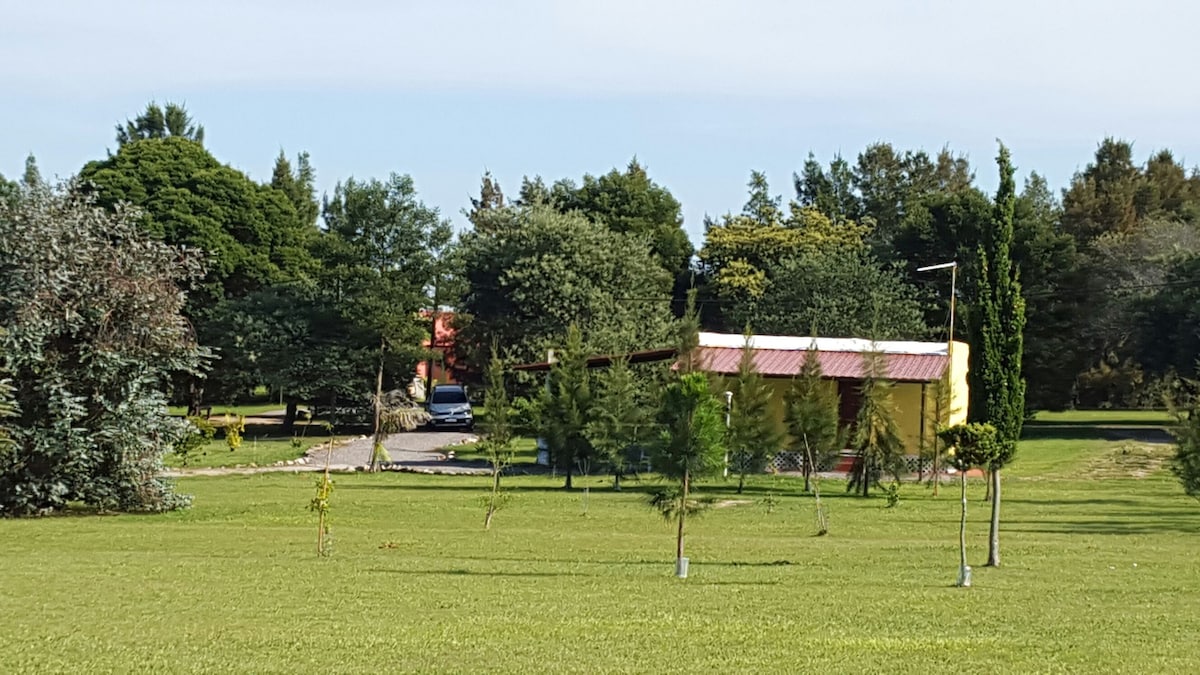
x,y
319,297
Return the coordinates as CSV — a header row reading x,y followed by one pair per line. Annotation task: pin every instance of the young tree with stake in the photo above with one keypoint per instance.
x,y
690,447
619,419
970,445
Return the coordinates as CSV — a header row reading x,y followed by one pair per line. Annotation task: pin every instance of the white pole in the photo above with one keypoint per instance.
x,y
728,410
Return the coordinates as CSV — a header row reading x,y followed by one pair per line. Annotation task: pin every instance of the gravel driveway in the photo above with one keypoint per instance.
x,y
411,450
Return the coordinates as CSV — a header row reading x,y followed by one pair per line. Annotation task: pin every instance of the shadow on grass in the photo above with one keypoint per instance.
x,y
459,572
1121,431
1113,526
665,561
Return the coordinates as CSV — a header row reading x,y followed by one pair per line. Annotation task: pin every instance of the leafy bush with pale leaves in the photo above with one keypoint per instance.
x,y
90,306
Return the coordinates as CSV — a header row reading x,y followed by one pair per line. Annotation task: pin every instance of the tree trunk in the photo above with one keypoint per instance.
x,y
937,479
617,481
195,398
289,417
378,408
570,470
682,514
807,476
962,529
741,482
491,510
987,490
994,530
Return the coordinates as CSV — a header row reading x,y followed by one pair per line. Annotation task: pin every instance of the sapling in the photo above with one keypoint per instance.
x,y
233,431
320,502
497,440
969,445
691,446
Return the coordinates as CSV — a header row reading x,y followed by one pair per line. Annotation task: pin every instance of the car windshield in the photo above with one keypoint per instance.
x,y
448,396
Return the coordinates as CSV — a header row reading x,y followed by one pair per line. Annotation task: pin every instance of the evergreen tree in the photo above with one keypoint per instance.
x,y
812,416
690,447
619,419
566,406
997,328
754,434
497,431
876,438
160,122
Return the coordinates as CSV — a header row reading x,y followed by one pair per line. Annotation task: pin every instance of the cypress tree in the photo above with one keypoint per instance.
x,y
997,332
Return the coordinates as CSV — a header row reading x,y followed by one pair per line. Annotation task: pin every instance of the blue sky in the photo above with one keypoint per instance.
x,y
701,92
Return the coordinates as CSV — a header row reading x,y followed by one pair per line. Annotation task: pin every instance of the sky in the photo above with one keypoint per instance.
x,y
700,92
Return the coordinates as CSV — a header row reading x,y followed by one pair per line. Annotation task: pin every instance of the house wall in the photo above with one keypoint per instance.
x,y
906,397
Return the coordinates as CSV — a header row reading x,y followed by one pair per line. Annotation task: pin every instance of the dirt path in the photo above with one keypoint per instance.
x,y
415,451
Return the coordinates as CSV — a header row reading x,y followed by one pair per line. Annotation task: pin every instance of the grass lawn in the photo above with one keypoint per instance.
x,y
1106,417
261,452
1099,575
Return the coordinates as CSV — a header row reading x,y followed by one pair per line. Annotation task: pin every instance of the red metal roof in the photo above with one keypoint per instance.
x,y
834,365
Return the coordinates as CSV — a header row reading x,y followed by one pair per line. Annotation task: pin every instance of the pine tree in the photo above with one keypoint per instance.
x,y
813,418
565,408
619,419
998,324
687,335
876,439
497,431
691,446
754,434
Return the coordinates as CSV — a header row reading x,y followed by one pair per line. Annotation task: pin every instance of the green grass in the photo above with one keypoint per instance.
x,y
416,585
260,452
1106,417
524,451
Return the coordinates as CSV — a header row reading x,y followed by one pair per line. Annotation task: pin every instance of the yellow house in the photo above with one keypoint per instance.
x,y
929,379
917,369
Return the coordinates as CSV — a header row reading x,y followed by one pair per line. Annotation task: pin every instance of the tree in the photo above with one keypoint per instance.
x,y
630,203
535,271
1058,303
689,448
619,420
971,445
298,185
297,340
1186,463
1101,198
812,415
251,234
754,433
497,431
90,347
837,295
171,120
741,252
997,329
875,437
380,255
566,406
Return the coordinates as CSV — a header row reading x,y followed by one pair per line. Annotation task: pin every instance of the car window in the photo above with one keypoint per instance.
x,y
448,396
